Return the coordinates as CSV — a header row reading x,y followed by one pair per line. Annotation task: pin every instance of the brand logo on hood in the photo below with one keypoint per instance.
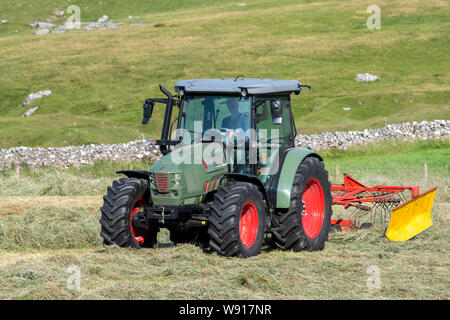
x,y
162,168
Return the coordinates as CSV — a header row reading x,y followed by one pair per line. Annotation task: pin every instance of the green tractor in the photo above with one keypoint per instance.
x,y
229,175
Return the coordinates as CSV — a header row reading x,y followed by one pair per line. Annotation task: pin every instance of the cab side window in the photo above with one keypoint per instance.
x,y
264,121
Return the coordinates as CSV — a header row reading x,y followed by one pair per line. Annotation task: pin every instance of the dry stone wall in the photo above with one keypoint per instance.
x,y
65,157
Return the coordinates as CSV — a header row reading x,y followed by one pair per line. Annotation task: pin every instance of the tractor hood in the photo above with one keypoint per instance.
x,y
182,176
187,157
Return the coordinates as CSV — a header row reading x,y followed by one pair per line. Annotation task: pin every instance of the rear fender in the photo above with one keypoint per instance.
x,y
293,159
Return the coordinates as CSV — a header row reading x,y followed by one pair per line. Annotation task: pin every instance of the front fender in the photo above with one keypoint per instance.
x,y
293,159
139,174
247,178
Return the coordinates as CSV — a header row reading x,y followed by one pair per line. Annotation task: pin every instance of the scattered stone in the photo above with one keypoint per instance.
x,y
33,96
3,21
41,31
242,4
112,25
65,26
90,27
66,157
29,112
366,77
42,25
58,31
102,19
58,12
102,24
346,108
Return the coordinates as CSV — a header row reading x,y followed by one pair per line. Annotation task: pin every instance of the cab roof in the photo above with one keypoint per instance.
x,y
236,85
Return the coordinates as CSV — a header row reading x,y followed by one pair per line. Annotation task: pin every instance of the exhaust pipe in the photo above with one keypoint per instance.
x,y
167,117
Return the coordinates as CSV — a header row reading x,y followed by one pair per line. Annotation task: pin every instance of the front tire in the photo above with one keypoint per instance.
x,y
305,225
237,220
119,219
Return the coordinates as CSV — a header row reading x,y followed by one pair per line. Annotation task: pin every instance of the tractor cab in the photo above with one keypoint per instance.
x,y
251,117
241,105
246,121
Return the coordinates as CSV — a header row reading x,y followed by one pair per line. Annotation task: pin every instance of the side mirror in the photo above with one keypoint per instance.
x,y
148,110
276,111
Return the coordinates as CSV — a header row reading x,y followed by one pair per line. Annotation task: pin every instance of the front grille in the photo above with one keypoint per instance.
x,y
162,182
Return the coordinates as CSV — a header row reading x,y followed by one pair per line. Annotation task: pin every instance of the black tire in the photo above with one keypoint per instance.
x,y
122,197
231,203
290,231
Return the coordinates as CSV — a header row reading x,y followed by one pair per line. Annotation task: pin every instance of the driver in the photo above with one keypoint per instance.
x,y
235,120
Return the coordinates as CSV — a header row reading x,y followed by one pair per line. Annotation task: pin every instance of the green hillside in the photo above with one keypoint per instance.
x,y
100,78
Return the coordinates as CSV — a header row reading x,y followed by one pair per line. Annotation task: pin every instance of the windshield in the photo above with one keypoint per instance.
x,y
201,113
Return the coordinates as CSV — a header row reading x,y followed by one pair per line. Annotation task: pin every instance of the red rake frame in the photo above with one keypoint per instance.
x,y
377,200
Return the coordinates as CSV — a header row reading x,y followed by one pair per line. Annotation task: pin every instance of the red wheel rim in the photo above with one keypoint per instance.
x,y
138,234
248,224
313,208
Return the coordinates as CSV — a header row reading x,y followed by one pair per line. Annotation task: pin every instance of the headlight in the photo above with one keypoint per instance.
x,y
177,179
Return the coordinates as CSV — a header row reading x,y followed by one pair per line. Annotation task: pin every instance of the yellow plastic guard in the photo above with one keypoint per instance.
x,y
411,217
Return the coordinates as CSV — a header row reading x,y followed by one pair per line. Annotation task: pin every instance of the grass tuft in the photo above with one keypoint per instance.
x,y
50,228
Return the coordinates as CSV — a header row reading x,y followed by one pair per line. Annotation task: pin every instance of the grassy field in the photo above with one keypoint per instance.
x,y
100,78
41,237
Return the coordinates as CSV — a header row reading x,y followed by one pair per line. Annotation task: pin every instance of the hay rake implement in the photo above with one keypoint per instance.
x,y
387,206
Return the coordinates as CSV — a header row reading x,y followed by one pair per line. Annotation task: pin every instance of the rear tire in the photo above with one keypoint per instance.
x,y
305,227
123,200
237,220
